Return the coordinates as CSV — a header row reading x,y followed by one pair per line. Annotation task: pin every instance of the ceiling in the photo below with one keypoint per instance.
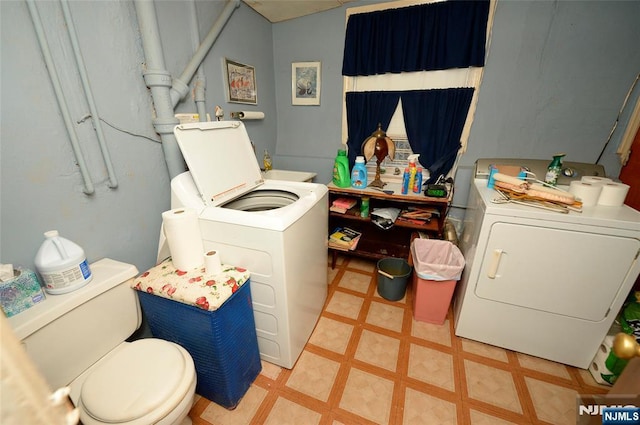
x,y
282,10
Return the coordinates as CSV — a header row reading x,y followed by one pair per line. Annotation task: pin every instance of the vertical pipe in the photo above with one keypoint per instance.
x,y
200,81
62,103
158,80
113,182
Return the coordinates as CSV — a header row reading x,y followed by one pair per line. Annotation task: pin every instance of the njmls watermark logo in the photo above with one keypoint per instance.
x,y
608,409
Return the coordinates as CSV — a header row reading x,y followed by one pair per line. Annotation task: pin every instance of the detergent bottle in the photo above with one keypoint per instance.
x,y
359,174
62,264
554,169
413,170
341,177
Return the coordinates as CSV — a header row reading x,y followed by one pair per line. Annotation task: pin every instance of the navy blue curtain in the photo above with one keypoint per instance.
x,y
364,111
427,37
434,120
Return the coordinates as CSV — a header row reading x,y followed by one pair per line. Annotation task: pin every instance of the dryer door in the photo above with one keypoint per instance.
x,y
567,272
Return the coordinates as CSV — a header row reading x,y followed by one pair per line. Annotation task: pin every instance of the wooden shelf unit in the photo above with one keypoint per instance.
x,y
377,243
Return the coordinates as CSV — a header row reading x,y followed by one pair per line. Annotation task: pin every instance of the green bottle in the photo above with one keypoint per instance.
x,y
553,171
341,175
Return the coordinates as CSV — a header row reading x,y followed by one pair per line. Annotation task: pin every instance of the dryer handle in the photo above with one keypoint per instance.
x,y
495,263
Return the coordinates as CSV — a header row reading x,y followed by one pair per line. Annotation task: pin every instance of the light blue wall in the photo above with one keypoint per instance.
x,y
555,79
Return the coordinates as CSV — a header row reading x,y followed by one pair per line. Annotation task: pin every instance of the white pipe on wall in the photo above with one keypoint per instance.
x,y
200,83
62,103
158,80
206,44
113,181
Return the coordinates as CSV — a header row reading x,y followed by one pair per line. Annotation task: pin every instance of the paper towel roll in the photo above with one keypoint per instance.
x,y
182,231
587,192
613,194
595,180
248,115
212,263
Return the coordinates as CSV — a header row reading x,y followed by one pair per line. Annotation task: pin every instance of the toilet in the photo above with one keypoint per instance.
x,y
78,339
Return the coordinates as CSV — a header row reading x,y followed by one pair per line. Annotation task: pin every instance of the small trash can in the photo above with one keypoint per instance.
x,y
437,266
393,274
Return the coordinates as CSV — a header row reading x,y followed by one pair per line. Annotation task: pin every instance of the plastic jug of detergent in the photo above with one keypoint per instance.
x,y
359,174
62,264
341,177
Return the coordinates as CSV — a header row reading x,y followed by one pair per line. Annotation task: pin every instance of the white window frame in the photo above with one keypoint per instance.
x,y
423,80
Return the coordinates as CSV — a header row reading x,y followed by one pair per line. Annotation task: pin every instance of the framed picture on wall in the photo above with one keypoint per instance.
x,y
305,83
240,82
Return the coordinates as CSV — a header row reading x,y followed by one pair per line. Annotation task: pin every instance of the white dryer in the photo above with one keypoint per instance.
x,y
276,229
541,282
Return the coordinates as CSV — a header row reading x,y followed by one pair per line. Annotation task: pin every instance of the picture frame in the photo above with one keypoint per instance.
x,y
305,83
240,82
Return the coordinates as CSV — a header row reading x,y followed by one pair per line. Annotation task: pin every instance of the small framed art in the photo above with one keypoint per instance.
x,y
240,82
305,83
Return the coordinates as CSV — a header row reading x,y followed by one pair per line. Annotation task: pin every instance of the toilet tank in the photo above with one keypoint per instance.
x,y
67,333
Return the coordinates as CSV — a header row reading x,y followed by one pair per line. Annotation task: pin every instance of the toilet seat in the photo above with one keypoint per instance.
x,y
141,383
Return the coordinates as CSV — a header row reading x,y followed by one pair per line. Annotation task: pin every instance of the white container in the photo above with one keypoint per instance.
x,y
62,264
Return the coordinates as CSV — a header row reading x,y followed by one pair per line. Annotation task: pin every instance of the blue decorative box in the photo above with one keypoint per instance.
x,y
21,292
222,342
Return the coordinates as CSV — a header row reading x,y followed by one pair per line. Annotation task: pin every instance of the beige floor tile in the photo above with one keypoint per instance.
x,y
286,412
491,385
431,366
346,305
435,333
361,264
368,396
242,414
479,418
331,335
355,281
485,350
552,403
378,350
314,375
421,408
270,370
544,366
385,316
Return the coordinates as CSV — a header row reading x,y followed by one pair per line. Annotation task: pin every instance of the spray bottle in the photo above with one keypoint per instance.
x,y
554,169
417,183
412,169
405,181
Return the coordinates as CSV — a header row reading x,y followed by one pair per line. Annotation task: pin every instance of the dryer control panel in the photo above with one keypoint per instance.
x,y
570,170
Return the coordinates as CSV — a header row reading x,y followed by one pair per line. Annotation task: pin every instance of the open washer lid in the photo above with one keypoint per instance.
x,y
221,159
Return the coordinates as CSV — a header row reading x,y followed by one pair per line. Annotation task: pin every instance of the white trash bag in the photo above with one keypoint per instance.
x,y
437,260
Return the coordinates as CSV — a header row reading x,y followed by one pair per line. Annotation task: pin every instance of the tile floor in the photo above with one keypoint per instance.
x,y
369,362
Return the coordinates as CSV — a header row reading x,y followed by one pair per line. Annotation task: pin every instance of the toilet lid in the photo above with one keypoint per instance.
x,y
134,381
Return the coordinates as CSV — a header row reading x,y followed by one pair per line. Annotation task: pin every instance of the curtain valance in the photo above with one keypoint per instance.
x,y
434,36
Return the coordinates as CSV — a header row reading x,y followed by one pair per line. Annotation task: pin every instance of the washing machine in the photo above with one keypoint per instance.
x,y
541,282
276,229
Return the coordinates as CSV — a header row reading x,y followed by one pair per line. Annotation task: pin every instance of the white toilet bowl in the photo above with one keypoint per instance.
x,y
148,381
78,339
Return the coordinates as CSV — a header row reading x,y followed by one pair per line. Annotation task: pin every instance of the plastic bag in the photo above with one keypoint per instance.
x,y
437,259
384,218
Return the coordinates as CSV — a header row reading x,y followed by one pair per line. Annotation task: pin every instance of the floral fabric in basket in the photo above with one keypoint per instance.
x,y
193,287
